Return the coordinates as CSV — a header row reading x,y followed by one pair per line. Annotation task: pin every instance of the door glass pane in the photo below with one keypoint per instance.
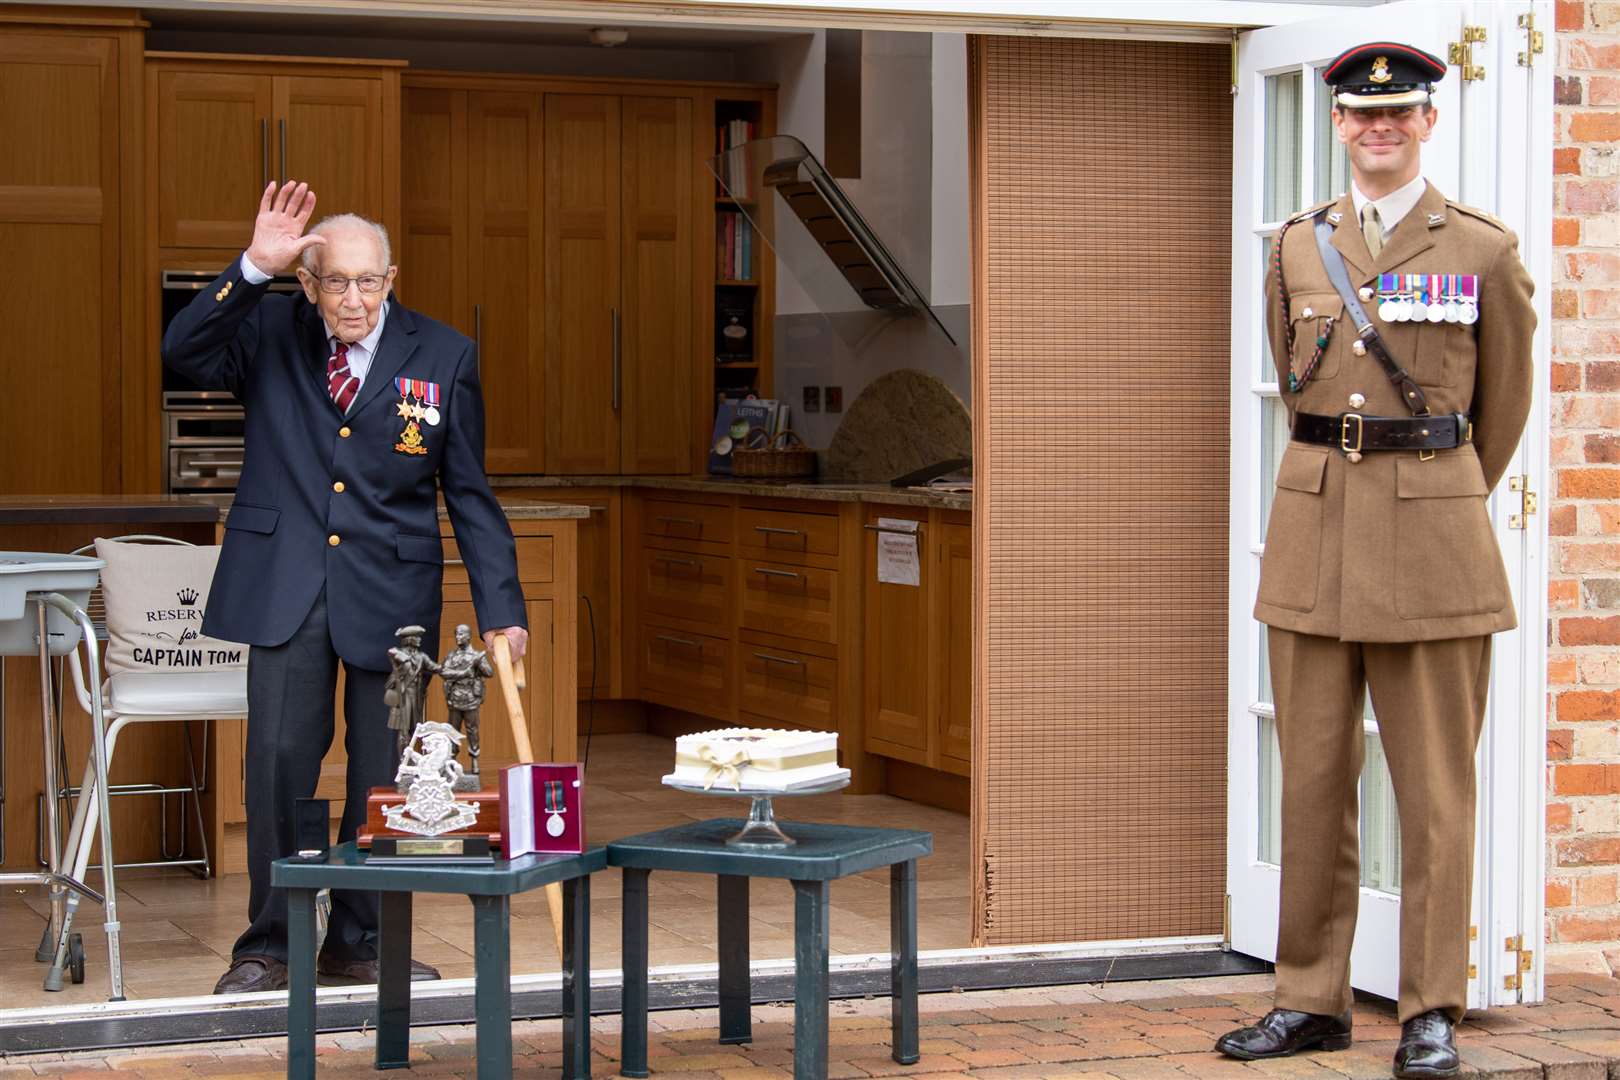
x,y
1268,370
1330,163
1380,826
1284,158
1270,846
1273,442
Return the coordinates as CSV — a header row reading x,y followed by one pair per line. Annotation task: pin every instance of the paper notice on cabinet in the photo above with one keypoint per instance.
x,y
897,561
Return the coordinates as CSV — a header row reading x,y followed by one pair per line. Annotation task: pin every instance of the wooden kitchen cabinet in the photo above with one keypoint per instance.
x,y
67,225
472,249
618,283
919,646
225,126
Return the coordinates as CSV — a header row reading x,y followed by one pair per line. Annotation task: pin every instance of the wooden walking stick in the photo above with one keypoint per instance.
x,y
511,682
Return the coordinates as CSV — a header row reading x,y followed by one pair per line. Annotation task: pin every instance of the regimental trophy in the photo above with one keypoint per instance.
x,y
433,822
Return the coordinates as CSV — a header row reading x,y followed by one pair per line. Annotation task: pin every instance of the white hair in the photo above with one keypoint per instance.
x,y
348,221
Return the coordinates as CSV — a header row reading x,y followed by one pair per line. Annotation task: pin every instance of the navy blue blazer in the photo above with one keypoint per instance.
x,y
385,567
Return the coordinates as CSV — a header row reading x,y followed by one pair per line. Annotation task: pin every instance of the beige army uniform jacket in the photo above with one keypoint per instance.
x,y
1394,548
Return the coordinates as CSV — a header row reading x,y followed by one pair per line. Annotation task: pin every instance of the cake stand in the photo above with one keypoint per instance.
x,y
761,830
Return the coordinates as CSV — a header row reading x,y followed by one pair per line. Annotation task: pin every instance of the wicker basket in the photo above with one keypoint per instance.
x,y
763,458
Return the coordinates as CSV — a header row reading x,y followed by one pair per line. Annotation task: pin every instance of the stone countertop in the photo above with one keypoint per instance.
x,y
122,509
518,509
825,490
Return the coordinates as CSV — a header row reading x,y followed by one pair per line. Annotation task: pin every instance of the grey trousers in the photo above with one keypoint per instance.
x,y
291,691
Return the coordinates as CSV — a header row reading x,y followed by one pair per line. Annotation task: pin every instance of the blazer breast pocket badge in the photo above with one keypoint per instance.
x,y
418,404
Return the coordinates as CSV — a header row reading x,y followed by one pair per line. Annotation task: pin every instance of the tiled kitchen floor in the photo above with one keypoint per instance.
x,y
178,930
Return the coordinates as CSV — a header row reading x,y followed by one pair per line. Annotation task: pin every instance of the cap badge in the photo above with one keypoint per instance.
x,y
1380,71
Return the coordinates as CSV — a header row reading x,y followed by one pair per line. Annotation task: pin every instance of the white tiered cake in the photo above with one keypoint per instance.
x,y
762,759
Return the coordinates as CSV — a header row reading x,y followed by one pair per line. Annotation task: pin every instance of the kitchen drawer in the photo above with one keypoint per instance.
x,y
536,556
787,532
688,665
789,687
686,585
794,601
673,520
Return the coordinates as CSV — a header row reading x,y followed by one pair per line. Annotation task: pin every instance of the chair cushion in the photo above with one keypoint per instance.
x,y
201,693
155,595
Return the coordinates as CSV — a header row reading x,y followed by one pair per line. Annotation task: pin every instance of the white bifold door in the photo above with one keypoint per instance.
x,y
1492,148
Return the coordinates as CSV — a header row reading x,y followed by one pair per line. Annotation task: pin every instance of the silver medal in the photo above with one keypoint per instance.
x,y
1469,315
1453,311
431,415
1435,312
554,825
1405,305
1389,310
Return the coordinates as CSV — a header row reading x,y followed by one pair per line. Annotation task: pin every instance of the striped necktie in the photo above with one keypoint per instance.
x,y
340,383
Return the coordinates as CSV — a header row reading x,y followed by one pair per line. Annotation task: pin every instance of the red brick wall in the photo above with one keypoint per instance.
x,y
1583,507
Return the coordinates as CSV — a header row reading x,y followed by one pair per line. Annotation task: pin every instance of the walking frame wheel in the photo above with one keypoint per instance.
x,y
76,958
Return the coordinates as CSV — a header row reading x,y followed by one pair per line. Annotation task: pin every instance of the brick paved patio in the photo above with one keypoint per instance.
x,y
1128,1031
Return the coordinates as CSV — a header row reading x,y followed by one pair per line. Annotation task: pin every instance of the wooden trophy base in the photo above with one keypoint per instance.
x,y
488,825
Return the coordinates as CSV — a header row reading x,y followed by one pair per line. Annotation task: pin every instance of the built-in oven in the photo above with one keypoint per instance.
x,y
203,429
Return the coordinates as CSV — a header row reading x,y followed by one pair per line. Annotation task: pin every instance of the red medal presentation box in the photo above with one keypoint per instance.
x,y
543,809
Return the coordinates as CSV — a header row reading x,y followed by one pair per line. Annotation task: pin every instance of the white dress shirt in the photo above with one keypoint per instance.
x,y
1392,207
360,352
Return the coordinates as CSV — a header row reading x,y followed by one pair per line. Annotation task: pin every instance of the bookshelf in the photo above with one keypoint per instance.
x,y
739,278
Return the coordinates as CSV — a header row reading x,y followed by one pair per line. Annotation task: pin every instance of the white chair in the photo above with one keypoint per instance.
x,y
146,697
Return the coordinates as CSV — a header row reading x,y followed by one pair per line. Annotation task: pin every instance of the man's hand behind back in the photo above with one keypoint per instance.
x,y
278,231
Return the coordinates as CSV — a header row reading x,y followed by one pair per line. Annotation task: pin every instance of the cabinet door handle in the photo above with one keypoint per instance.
x,y
264,153
774,531
768,658
282,126
675,561
678,641
618,366
677,521
775,573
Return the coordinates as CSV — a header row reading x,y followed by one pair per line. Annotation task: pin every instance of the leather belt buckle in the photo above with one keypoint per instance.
x,y
1353,453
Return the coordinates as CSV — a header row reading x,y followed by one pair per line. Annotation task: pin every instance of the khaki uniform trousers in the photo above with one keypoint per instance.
x,y
1429,697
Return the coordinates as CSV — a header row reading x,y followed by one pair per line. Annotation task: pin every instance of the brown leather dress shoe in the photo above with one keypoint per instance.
x,y
251,973
1283,1031
333,971
1427,1048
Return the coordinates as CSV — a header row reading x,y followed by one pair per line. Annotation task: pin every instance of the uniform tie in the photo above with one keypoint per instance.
x,y
1372,229
339,382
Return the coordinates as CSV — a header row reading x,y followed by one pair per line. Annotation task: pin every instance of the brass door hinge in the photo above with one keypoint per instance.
x,y
1524,962
1461,53
1528,502
1534,44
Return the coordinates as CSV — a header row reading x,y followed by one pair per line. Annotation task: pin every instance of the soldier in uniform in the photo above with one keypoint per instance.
x,y
463,672
405,692
1381,571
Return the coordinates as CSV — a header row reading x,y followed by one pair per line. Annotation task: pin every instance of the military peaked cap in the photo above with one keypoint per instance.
x,y
1383,74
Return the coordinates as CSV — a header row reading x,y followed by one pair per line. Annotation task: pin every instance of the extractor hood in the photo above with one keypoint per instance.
x,y
782,163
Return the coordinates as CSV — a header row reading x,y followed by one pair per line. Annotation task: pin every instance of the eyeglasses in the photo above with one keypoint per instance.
x,y
368,283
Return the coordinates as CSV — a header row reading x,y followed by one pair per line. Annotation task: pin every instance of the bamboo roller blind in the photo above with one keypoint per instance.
x,y
1103,183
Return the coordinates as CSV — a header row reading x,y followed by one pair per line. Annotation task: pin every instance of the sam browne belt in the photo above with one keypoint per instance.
x,y
1354,433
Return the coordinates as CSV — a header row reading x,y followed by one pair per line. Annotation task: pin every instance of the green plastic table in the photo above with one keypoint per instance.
x,y
822,854
490,888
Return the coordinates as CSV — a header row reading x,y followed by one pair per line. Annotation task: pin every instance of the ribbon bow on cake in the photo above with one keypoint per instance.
x,y
719,767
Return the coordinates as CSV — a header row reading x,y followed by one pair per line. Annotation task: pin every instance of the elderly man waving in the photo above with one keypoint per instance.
x,y
359,413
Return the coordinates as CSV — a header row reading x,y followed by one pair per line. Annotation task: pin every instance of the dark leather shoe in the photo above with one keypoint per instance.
x,y
248,974
1283,1031
1427,1048
333,971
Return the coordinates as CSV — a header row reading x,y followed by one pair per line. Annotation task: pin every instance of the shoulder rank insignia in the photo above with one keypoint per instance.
x,y
1436,219
1335,217
1476,212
